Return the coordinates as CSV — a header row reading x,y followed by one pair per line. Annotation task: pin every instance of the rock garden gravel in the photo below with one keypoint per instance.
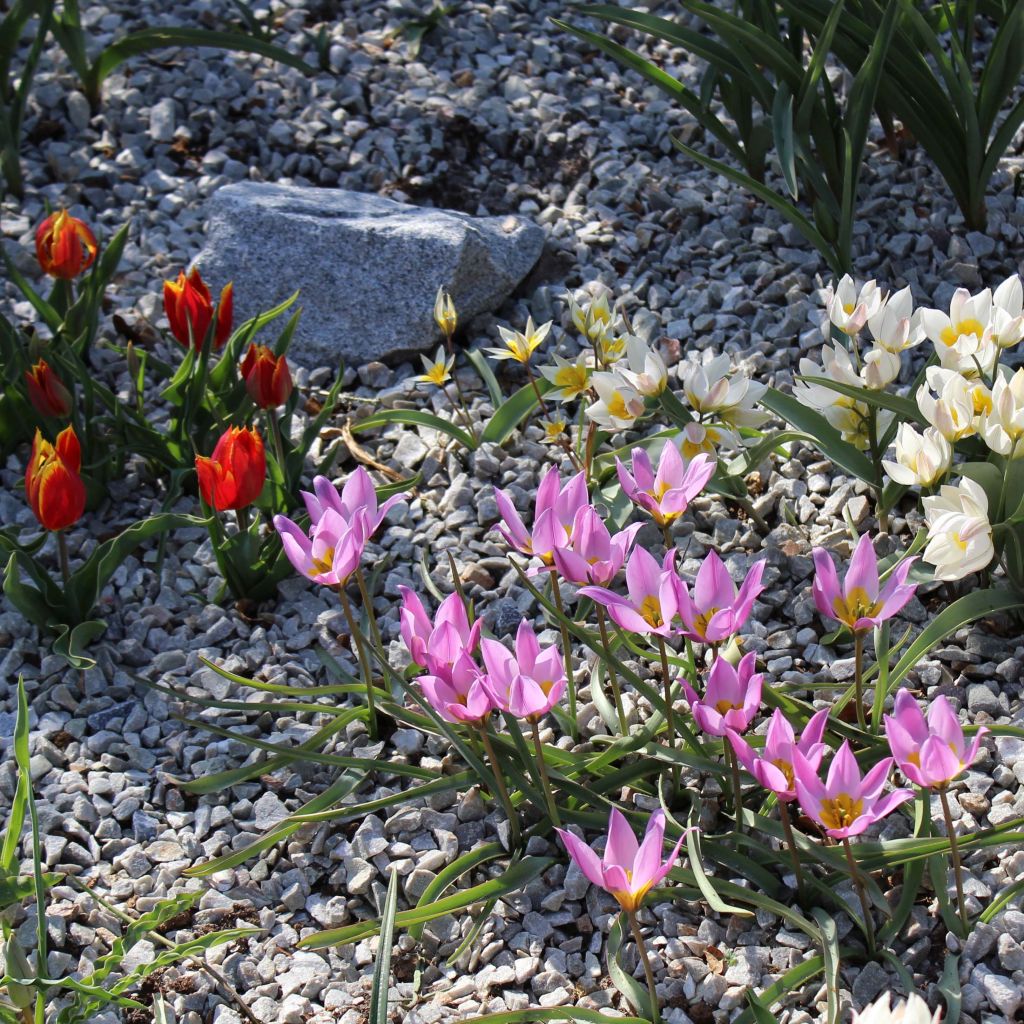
x,y
501,112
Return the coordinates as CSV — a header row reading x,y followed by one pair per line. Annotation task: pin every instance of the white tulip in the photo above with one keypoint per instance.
x,y
913,1010
948,402
922,459
619,403
963,339
848,307
895,326
646,369
881,367
1002,425
713,388
959,533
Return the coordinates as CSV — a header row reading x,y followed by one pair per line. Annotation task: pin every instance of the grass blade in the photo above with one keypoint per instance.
x,y
378,1012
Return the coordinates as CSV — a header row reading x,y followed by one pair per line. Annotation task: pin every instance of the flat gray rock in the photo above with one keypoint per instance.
x,y
367,269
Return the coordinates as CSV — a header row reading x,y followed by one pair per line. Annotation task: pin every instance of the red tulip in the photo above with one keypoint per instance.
x,y
190,310
232,477
46,392
53,486
267,377
65,246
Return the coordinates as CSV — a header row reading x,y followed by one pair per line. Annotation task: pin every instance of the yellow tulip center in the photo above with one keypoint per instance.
x,y
322,565
700,624
971,327
617,407
725,706
787,769
572,380
437,374
841,811
858,605
650,611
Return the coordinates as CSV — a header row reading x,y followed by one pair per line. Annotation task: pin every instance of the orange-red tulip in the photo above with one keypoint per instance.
x,y
53,486
267,377
232,477
190,310
65,246
46,392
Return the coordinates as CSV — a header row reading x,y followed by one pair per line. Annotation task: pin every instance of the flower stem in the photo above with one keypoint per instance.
x,y
646,961
954,856
364,661
62,554
869,924
536,390
370,613
506,800
737,787
858,675
613,678
545,779
566,654
787,827
666,533
275,433
667,684
460,407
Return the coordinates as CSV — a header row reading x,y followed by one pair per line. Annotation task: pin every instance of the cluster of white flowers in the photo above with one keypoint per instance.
x,y
967,393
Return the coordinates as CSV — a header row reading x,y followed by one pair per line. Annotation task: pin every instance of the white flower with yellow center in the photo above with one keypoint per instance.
x,y
619,403
1002,425
610,347
963,339
697,438
1007,324
593,318
437,371
570,379
848,415
554,430
849,308
713,389
646,369
881,367
895,326
922,459
520,345
951,403
959,532
444,312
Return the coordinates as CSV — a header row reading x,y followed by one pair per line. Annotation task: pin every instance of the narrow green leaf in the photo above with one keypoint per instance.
x,y
949,987
782,128
416,417
378,1009
635,993
830,954
483,367
906,408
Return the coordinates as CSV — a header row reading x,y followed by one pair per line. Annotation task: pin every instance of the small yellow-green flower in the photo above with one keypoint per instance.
x,y
444,312
554,429
520,345
610,347
571,379
438,371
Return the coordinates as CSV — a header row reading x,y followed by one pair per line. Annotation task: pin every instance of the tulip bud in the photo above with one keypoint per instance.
x,y
16,965
190,310
131,357
65,247
46,392
267,377
53,486
444,312
233,476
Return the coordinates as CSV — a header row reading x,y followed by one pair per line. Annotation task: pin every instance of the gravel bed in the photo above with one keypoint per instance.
x,y
501,112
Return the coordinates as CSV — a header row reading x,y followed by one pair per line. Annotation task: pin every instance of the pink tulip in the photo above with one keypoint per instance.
x,y
651,604
332,550
772,765
460,694
861,603
357,495
717,611
529,683
553,515
628,870
666,494
593,554
731,698
929,753
433,644
845,804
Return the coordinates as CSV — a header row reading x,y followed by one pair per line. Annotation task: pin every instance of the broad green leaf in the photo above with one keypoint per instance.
x,y
416,417
72,641
635,993
511,413
905,408
378,1009
960,613
782,127
827,438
